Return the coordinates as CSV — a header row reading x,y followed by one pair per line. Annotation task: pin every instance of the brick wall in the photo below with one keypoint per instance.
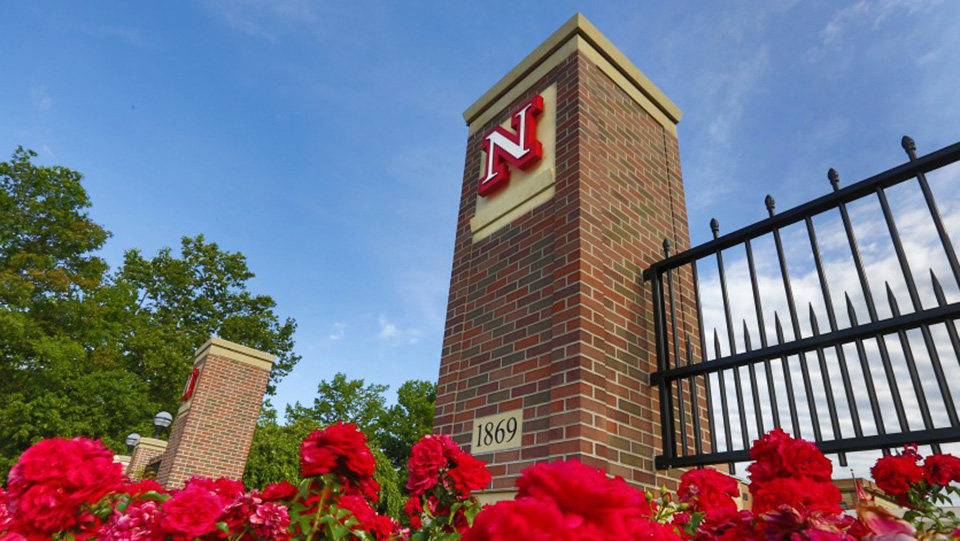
x,y
143,454
211,437
550,314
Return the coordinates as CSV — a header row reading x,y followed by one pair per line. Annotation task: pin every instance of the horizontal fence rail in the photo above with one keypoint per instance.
x,y
857,385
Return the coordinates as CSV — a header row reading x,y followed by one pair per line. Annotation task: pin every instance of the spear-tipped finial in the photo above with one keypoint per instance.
x,y
938,289
894,307
746,336
666,247
770,203
716,344
689,350
778,326
910,146
851,311
834,178
715,227
813,320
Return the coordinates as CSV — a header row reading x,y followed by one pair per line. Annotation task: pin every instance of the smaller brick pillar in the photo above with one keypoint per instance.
x,y
212,432
143,454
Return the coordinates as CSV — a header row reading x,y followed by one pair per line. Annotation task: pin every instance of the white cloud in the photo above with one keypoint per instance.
x,y
339,332
869,14
258,17
41,98
395,335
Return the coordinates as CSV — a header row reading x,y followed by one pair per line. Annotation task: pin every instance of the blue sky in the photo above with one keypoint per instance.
x,y
325,141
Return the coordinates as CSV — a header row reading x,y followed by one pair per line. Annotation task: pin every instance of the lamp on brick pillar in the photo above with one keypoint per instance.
x,y
161,421
132,441
213,429
144,452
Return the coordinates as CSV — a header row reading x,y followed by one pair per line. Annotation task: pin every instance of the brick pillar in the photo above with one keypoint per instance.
x,y
144,453
548,321
212,432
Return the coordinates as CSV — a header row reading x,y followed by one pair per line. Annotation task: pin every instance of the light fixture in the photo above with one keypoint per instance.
x,y
160,421
132,441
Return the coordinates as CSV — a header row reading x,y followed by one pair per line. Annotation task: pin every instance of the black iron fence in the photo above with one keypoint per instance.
x,y
854,365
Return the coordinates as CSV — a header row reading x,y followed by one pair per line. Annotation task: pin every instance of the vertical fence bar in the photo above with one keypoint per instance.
x,y
950,324
723,398
731,337
788,377
872,313
827,385
694,404
911,148
795,323
832,321
865,367
676,352
758,413
912,368
761,326
669,449
703,357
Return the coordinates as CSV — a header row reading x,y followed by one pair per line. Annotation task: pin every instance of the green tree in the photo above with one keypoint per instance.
x,y
347,400
275,456
405,422
84,352
176,303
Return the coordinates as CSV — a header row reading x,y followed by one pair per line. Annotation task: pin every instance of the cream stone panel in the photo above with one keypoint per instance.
x,y
498,429
526,189
490,498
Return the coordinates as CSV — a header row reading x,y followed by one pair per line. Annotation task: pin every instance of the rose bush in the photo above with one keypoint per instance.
x,y
72,490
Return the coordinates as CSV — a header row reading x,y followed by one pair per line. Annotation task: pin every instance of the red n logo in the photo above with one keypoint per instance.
x,y
520,149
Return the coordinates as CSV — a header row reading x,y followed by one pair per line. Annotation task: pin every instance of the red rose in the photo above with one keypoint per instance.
x,y
5,517
142,487
523,519
586,497
803,459
709,492
192,512
801,494
427,457
139,522
270,521
283,490
895,474
55,477
368,519
734,527
942,469
43,509
339,448
766,452
413,510
469,474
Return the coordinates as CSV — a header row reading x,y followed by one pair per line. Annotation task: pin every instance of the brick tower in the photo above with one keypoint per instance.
x,y
213,429
549,340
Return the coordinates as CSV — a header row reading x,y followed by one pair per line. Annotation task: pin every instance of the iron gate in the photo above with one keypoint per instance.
x,y
869,350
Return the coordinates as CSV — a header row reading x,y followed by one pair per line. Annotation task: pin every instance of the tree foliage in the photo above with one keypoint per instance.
x,y
85,351
274,454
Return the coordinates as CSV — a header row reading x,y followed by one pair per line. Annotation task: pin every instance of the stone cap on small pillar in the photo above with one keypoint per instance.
x,y
577,34
146,450
231,350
